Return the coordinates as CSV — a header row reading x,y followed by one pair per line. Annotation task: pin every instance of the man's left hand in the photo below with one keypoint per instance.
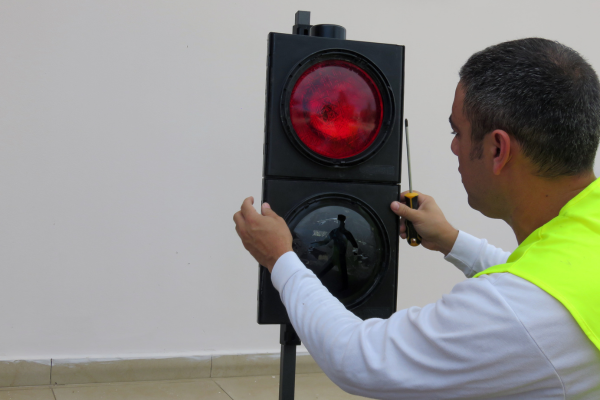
x,y
267,236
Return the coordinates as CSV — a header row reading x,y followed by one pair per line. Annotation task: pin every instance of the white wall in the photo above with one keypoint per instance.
x,y
131,131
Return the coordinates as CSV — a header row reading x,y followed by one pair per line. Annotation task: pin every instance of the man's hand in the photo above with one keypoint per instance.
x,y
267,236
429,221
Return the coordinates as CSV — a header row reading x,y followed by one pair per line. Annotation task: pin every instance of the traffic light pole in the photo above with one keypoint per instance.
x,y
287,368
287,337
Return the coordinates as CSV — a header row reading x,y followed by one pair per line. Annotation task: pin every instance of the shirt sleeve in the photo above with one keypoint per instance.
x,y
472,255
469,344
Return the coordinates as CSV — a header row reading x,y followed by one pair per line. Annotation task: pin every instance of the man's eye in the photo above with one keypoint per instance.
x,y
453,133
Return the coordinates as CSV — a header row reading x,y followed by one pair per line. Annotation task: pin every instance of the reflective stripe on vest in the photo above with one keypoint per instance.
x,y
562,257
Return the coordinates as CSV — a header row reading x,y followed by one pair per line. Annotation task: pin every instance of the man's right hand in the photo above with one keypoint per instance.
x,y
429,221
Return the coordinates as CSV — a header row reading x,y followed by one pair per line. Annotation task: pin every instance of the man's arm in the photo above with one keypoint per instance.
x,y
469,344
472,255
468,253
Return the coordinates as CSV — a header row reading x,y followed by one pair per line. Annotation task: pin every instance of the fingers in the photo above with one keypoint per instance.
x,y
248,211
248,215
402,228
265,236
404,211
267,211
238,218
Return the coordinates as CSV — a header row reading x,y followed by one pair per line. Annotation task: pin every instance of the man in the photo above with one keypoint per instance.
x,y
526,120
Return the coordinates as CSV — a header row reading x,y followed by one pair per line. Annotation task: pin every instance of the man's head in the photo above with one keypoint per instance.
x,y
542,93
541,96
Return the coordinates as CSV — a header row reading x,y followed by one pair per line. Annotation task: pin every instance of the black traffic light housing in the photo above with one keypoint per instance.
x,y
335,198
286,155
374,296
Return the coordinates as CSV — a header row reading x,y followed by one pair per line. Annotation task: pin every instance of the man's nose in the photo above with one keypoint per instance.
x,y
454,145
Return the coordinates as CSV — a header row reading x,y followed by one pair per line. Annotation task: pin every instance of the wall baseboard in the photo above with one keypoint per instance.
x,y
25,373
86,370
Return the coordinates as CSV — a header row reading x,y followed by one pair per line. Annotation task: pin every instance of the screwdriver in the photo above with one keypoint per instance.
x,y
411,199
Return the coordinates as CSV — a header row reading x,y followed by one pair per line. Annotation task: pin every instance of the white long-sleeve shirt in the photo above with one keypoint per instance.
x,y
496,336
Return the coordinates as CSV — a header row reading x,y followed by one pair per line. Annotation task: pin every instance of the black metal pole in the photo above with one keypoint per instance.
x,y
287,335
287,367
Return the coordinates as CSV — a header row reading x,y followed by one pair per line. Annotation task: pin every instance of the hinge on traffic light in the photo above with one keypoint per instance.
x,y
303,25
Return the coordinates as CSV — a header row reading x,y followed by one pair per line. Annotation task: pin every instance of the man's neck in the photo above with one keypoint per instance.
x,y
541,199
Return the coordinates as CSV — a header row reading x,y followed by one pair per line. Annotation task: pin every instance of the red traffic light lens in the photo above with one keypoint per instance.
x,y
336,109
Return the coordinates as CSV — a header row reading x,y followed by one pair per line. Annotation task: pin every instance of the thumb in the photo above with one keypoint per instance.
x,y
404,211
267,211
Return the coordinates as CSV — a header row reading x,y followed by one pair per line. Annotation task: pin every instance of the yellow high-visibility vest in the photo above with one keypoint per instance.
x,y
562,257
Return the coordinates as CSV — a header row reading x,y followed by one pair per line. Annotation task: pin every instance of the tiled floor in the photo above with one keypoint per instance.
x,y
308,387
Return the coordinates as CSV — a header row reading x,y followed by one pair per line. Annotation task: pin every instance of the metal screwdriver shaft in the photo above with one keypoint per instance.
x,y
411,199
408,156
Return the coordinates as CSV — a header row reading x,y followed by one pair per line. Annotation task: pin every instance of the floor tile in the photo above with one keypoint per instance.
x,y
27,394
308,387
200,389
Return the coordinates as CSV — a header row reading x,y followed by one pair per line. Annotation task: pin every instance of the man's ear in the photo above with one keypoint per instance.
x,y
501,142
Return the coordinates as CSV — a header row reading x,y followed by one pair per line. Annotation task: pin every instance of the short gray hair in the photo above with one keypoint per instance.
x,y
542,93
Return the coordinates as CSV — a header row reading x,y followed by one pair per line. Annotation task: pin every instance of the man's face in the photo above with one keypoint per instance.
x,y
475,176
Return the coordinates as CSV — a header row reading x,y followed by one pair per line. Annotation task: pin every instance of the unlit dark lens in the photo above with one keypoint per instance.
x,y
341,245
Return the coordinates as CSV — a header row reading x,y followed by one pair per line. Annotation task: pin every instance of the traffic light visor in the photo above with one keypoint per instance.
x,y
336,109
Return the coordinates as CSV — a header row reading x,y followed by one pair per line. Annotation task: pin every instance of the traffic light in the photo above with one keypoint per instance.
x,y
332,156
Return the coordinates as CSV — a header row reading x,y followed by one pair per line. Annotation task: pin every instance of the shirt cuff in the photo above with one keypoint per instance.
x,y
464,253
286,266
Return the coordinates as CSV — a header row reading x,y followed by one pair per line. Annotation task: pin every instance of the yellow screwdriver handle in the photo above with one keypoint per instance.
x,y
412,237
